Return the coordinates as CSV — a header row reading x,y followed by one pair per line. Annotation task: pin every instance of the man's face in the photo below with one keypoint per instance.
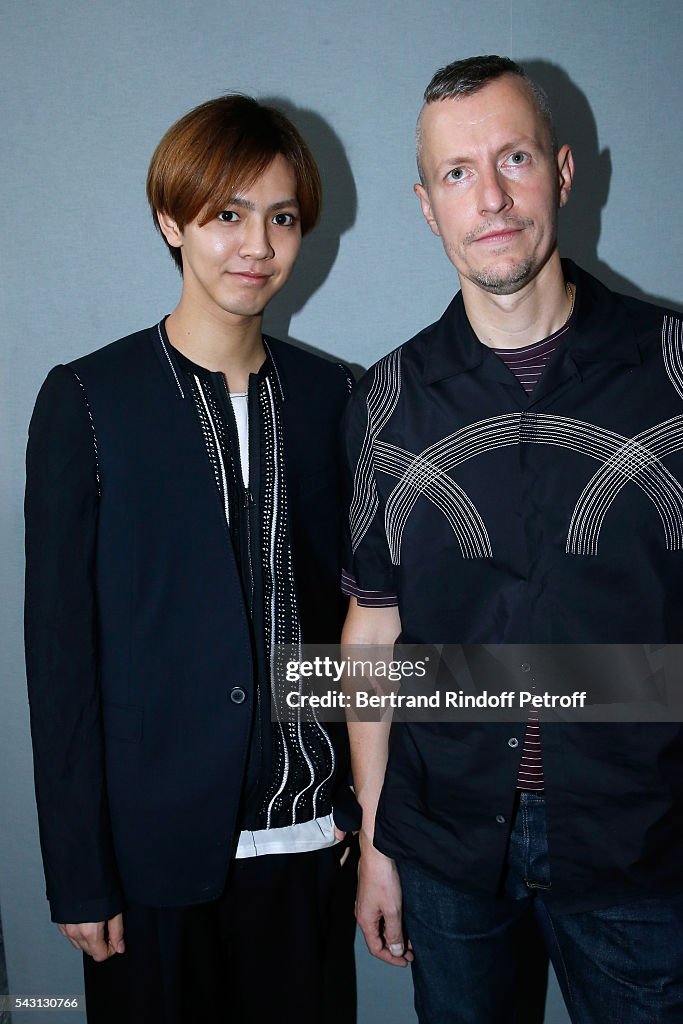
x,y
236,262
492,186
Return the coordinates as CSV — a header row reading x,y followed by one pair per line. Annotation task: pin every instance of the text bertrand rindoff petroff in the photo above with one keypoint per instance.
x,y
338,672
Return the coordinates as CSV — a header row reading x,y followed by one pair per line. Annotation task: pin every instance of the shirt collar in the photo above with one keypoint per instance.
x,y
177,365
599,332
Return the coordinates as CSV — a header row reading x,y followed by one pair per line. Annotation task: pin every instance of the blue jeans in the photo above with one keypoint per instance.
x,y
619,965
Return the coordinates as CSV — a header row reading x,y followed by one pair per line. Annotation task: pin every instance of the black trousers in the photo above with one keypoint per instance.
x,y
276,946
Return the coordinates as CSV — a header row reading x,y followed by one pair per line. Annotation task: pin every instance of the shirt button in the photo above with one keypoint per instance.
x,y
500,819
513,742
237,695
526,667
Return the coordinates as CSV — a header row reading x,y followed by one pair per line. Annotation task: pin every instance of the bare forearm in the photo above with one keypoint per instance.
x,y
378,903
369,742
378,628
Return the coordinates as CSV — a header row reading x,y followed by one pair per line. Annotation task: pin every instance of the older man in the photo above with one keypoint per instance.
x,y
517,478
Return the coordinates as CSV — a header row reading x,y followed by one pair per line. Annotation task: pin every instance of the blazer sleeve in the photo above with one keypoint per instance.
x,y
61,512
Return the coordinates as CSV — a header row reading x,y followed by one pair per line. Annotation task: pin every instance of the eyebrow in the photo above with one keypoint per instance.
x,y
512,145
246,204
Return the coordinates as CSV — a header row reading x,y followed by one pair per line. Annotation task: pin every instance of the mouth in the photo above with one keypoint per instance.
x,y
498,237
249,278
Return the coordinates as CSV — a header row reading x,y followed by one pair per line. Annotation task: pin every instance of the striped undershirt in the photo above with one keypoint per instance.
x,y
527,364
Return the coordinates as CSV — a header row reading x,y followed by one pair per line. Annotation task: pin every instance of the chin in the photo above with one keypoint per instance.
x,y
504,280
253,308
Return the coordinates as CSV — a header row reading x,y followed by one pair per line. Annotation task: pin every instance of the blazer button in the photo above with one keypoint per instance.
x,y
237,695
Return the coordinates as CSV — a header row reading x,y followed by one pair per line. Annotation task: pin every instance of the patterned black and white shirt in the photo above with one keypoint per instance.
x,y
492,516
291,764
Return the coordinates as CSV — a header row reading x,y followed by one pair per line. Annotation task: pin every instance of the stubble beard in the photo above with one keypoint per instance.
x,y
507,283
496,281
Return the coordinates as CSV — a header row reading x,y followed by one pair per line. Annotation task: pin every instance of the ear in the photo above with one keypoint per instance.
x,y
170,229
565,174
422,194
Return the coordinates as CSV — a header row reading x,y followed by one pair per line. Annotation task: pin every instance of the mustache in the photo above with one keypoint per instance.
x,y
493,228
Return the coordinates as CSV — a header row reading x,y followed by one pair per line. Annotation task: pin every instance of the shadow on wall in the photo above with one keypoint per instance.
x,y
319,249
580,221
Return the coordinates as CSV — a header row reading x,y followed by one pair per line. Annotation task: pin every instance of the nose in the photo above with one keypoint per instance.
x,y
255,242
493,197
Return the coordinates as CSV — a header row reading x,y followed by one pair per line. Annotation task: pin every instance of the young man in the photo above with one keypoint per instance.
x,y
182,521
517,473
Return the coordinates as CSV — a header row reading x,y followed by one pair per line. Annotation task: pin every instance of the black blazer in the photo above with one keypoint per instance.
x,y
136,631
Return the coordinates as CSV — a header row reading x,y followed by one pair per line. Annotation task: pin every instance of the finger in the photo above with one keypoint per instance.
x,y
115,933
338,834
90,938
374,940
402,951
99,949
393,933
373,937
394,938
408,956
381,952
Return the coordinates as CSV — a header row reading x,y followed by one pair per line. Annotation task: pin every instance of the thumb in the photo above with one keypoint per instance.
x,y
115,930
393,934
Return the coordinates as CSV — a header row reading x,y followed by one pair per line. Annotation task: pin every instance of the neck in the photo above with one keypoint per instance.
x,y
533,313
226,344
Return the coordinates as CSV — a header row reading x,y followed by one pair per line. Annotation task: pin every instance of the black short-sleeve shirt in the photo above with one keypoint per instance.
x,y
497,517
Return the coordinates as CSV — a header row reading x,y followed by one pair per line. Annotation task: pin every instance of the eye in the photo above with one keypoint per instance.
x,y
228,216
284,220
517,159
456,174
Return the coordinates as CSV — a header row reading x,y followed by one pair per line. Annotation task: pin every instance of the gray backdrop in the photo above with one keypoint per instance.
x,y
89,88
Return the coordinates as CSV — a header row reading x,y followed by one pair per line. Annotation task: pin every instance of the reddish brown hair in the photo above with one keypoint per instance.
x,y
219,149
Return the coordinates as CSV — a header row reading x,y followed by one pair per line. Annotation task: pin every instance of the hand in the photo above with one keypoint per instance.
x,y
378,907
99,939
340,837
